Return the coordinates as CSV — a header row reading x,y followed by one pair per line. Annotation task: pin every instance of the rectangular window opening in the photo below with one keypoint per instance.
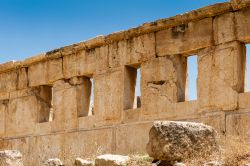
x,y
191,81
44,95
85,97
132,89
247,73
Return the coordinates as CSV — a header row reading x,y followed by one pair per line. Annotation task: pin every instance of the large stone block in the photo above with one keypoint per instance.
x,y
132,51
238,124
224,28
163,82
8,81
22,78
44,73
108,92
64,107
3,107
132,138
221,76
80,63
102,58
185,38
244,100
242,22
21,116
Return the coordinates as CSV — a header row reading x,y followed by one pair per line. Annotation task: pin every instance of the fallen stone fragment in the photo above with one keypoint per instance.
x,y
10,158
213,163
111,160
81,162
54,162
176,141
166,163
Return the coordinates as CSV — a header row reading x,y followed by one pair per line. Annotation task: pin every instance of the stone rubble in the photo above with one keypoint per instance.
x,y
10,158
111,160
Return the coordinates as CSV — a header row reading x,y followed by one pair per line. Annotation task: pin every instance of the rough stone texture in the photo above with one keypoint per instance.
x,y
213,163
81,162
162,83
45,73
176,141
44,100
111,160
10,158
184,38
242,22
224,29
54,162
221,76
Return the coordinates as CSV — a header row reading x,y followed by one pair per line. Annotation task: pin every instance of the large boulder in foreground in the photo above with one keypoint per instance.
x,y
10,158
177,141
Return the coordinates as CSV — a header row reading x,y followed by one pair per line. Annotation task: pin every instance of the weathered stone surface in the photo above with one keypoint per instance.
x,y
185,38
111,160
214,163
81,162
22,78
79,63
242,22
163,82
54,162
238,4
10,158
238,124
244,99
176,141
45,73
3,109
224,28
221,76
8,81
110,82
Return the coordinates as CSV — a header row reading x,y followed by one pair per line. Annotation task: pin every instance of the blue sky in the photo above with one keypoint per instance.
x,y
30,27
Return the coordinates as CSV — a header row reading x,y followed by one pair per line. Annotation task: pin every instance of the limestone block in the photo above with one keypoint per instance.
x,y
132,51
238,4
224,28
112,160
221,76
244,100
64,108
186,110
54,162
21,116
215,119
131,115
4,95
109,89
44,73
8,81
45,147
132,138
87,122
11,158
102,58
163,82
82,162
87,143
242,23
185,38
3,107
238,124
22,78
80,63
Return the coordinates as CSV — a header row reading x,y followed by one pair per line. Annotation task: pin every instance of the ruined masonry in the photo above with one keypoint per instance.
x,y
79,100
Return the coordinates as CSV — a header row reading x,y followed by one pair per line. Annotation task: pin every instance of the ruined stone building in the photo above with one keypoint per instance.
x,y
79,100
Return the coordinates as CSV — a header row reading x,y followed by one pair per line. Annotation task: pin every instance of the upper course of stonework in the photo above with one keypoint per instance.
x,y
208,11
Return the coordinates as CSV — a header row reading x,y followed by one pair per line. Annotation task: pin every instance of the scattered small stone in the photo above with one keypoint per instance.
x,y
10,158
54,162
111,160
213,163
81,162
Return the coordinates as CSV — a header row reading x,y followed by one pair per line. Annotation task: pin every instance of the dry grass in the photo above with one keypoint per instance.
x,y
234,151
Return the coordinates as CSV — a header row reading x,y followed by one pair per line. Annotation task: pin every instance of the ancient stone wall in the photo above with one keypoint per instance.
x,y
79,100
